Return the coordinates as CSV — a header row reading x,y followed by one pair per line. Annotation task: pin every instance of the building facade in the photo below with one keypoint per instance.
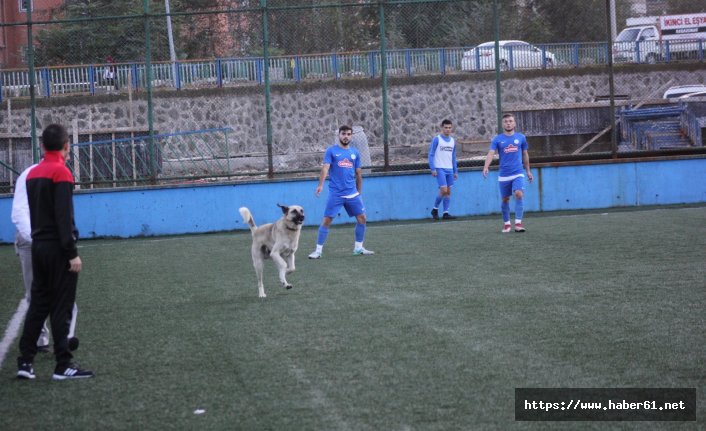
x,y
13,37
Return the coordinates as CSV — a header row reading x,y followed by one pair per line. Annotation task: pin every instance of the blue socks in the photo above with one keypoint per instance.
x,y
447,202
519,209
359,232
505,208
323,234
437,201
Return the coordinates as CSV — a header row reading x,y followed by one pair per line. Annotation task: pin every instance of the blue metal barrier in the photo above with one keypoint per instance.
x,y
218,72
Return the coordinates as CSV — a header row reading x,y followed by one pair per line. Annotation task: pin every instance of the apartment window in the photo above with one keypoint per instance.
x,y
25,5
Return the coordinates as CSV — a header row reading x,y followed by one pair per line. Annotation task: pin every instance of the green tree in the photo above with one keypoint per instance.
x,y
322,29
91,41
428,25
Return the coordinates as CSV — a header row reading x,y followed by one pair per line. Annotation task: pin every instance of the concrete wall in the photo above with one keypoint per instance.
x,y
305,116
209,208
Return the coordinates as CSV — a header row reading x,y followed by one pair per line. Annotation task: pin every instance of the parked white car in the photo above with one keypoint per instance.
x,y
699,94
514,54
682,90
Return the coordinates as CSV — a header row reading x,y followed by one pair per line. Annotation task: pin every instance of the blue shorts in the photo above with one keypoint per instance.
x,y
507,188
445,177
354,206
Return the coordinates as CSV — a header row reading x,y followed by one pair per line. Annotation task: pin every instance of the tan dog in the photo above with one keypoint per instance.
x,y
278,240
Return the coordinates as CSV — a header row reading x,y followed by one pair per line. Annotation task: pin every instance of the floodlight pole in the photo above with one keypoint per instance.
x,y
170,36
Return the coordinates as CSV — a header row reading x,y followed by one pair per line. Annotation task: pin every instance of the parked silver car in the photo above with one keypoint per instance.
x,y
514,54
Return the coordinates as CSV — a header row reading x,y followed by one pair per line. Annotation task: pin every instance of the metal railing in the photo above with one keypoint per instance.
x,y
141,159
220,72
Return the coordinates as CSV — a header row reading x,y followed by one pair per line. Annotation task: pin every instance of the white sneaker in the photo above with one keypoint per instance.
x,y
361,252
315,255
506,228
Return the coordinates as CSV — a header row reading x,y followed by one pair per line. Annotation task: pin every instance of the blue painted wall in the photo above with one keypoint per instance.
x,y
209,208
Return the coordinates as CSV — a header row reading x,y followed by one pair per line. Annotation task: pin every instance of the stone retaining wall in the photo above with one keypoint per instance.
x,y
305,116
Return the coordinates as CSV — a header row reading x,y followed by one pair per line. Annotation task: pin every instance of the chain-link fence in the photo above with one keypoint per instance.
x,y
209,90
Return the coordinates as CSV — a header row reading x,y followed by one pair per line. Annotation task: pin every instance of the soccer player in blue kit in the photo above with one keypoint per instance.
x,y
345,184
442,162
511,148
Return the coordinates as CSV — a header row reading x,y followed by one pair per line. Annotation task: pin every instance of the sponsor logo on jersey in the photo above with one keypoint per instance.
x,y
345,163
511,148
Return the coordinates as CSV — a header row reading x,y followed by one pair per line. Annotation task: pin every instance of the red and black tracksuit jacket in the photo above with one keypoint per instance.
x,y
50,193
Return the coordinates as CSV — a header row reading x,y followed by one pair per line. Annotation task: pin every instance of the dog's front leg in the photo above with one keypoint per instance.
x,y
290,263
281,266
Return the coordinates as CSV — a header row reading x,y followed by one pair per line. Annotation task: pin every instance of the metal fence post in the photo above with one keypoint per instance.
x,y
383,72
177,78
297,69
135,78
219,73
92,80
496,51
47,82
408,61
268,107
334,65
258,70
442,61
32,83
544,57
148,72
371,64
611,82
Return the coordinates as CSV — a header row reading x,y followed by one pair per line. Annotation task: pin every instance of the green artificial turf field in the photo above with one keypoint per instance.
x,y
434,332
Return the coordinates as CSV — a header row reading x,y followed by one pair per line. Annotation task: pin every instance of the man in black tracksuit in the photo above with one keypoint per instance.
x,y
55,260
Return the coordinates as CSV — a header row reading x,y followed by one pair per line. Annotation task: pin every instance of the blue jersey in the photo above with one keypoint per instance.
x,y
344,162
510,150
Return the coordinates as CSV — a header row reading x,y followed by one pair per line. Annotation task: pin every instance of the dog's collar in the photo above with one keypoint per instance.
x,y
292,229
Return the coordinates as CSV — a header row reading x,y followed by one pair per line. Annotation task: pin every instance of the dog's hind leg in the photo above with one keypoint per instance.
x,y
282,267
259,267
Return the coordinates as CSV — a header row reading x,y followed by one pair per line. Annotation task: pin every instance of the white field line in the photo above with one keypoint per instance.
x,y
13,328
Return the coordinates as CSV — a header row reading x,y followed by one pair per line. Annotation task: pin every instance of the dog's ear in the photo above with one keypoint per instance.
x,y
285,209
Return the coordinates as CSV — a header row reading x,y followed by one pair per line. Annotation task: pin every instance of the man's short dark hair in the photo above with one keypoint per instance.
x,y
506,115
54,137
445,122
344,128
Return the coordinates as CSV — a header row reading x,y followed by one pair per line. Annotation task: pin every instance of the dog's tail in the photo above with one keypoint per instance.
x,y
247,218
